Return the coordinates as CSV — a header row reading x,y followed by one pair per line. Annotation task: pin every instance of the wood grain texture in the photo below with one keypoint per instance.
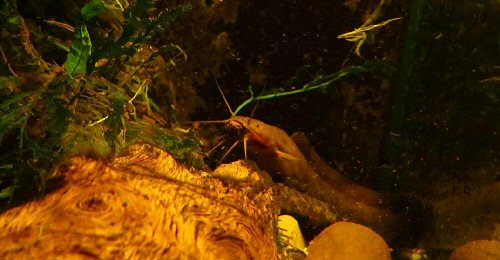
x,y
143,205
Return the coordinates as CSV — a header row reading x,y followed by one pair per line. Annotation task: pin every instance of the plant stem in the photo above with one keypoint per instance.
x,y
320,83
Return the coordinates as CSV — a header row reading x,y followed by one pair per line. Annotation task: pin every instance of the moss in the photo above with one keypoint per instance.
x,y
49,112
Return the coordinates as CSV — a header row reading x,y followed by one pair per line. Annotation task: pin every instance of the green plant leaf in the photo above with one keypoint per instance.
x,y
165,49
81,49
140,8
167,17
322,82
7,192
15,20
137,30
92,9
14,112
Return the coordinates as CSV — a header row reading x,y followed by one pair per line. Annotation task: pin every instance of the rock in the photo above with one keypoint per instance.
x,y
290,232
345,240
478,249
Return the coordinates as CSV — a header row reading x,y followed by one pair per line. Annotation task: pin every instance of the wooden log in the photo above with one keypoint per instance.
x,y
144,205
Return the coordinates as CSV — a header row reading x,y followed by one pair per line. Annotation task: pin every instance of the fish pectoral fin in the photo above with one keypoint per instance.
x,y
287,155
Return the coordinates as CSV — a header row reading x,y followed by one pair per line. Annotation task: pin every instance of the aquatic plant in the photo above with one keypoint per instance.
x,y
320,83
49,113
137,30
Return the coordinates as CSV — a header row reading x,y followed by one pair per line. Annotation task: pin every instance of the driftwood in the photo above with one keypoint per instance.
x,y
294,162
145,205
395,218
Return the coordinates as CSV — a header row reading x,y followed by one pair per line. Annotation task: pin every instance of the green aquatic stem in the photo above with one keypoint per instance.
x,y
320,83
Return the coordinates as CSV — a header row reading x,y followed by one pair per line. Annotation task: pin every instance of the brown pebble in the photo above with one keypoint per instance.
x,y
345,240
478,249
